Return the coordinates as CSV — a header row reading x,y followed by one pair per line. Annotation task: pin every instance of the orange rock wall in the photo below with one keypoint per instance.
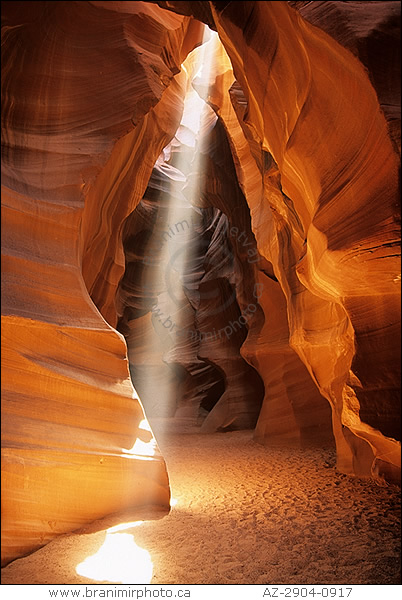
x,y
330,178
83,88
320,114
293,412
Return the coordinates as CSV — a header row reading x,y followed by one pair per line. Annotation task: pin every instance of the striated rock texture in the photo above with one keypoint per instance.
x,y
329,220
92,93
293,411
83,85
372,33
320,115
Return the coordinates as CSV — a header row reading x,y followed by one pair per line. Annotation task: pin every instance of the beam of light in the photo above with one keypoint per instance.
x,y
119,559
178,249
199,67
173,502
171,258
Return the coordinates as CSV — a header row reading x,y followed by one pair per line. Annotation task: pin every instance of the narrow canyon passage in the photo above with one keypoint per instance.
x,y
244,513
202,241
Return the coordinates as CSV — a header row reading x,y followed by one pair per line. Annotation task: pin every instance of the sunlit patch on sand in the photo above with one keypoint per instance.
x,y
119,559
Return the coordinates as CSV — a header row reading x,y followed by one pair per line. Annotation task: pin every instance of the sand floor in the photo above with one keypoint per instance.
x,y
244,514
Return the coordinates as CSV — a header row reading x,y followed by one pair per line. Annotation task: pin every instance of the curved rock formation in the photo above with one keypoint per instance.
x,y
336,273
372,33
314,125
82,88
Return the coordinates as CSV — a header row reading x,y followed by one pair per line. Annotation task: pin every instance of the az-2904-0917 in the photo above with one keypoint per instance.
x,y
307,592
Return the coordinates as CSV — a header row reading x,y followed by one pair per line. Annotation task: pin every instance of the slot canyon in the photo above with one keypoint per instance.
x,y
201,292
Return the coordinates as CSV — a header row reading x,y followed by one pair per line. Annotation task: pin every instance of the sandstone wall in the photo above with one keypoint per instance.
x,y
330,177
86,111
321,116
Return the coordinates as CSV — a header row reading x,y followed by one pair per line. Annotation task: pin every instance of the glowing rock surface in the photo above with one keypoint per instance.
x,y
83,88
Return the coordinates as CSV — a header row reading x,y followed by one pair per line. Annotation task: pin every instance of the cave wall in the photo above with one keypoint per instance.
x,y
336,221
92,92
293,411
328,218
83,88
372,33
